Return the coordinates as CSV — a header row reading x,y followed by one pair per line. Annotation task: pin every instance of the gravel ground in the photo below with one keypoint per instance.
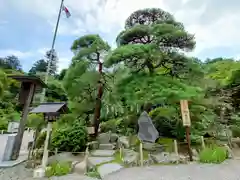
x,y
229,170
18,172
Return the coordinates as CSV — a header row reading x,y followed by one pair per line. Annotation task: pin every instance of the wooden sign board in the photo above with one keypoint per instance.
x,y
185,113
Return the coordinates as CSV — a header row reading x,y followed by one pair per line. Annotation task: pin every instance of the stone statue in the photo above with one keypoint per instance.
x,y
147,131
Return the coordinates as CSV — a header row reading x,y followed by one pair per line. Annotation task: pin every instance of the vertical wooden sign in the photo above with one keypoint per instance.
x,y
185,113
187,123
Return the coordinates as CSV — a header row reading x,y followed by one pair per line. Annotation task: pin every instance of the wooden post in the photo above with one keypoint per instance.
x,y
189,142
187,123
86,158
141,153
45,152
56,151
202,142
21,128
175,147
120,152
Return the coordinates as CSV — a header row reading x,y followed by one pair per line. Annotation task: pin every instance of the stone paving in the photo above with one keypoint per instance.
x,y
229,170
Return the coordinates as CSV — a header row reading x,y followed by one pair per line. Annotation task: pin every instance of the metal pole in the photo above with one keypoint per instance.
x,y
49,126
52,49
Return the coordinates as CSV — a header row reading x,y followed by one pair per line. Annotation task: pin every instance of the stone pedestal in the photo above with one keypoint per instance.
x,y
39,173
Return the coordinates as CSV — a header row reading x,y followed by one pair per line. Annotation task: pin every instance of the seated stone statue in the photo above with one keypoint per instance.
x,y
146,129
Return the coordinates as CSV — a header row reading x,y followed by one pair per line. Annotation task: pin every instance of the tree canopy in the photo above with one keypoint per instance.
x,y
149,65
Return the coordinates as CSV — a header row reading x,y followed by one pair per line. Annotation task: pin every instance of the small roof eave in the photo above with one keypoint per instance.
x,y
26,78
51,107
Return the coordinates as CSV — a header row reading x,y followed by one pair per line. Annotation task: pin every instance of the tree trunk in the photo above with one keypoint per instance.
x,y
97,112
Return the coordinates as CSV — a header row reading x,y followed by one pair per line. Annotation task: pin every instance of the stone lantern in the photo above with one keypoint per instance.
x,y
51,112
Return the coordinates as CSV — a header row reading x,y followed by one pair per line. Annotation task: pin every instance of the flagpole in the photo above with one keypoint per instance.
x,y
51,54
49,125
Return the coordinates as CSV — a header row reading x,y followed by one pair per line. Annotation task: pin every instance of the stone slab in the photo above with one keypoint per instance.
x,y
109,168
103,153
6,164
106,146
99,160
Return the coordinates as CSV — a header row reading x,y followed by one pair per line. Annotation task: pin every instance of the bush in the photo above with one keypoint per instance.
x,y
93,173
58,169
235,131
167,143
3,124
111,125
214,154
70,138
40,140
134,140
126,125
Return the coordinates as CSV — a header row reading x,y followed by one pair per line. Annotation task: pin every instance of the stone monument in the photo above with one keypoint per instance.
x,y
147,131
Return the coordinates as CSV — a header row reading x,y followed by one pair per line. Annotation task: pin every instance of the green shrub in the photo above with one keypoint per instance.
x,y
235,131
133,140
111,125
167,143
93,173
214,154
3,124
70,138
40,140
58,169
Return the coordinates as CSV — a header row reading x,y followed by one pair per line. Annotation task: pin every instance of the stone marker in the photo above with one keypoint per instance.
x,y
147,131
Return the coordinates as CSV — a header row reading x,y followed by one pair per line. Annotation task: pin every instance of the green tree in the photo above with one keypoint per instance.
x,y
39,66
3,82
42,64
152,39
51,56
88,52
10,62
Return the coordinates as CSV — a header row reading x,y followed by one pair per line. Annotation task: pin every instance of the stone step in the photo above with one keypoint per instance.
x,y
106,146
103,153
93,161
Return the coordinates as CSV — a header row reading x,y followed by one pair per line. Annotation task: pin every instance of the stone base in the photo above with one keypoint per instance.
x,y
39,173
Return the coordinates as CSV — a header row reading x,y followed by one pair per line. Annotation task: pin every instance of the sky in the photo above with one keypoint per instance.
x,y
27,26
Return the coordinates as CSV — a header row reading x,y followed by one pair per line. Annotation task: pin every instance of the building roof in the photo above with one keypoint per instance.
x,y
50,107
26,78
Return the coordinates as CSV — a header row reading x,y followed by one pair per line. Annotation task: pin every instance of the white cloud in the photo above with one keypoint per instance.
x,y
19,54
215,23
27,57
63,63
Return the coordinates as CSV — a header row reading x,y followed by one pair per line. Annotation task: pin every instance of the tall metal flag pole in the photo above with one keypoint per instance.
x,y
49,125
51,54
